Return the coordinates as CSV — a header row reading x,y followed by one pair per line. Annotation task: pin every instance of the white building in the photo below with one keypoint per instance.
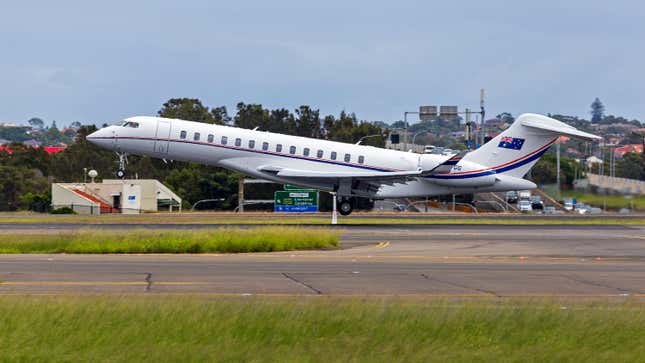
x,y
129,196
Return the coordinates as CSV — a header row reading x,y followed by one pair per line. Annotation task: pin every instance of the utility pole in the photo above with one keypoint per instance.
x,y
240,195
557,178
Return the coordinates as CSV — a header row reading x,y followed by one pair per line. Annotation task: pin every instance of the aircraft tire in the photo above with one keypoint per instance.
x,y
345,207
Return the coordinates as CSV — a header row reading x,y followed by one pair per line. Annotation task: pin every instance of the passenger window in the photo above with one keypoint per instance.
x,y
211,137
182,135
292,150
333,155
347,158
238,142
278,147
361,159
224,140
305,151
319,154
251,144
196,136
265,146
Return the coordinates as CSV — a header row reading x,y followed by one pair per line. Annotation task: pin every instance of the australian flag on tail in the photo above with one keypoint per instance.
x,y
513,143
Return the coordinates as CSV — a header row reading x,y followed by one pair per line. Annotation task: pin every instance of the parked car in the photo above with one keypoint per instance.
x,y
536,202
524,194
582,208
595,210
568,204
524,206
511,197
549,209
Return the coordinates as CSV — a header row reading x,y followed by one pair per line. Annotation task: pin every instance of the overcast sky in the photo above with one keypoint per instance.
x,y
103,61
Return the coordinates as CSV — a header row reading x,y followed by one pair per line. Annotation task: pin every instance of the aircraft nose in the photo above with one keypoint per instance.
x,y
99,137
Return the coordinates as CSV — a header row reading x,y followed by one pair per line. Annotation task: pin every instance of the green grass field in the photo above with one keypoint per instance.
x,y
253,329
276,219
261,239
611,201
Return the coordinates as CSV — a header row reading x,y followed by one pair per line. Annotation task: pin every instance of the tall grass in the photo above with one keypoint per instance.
x,y
172,329
261,239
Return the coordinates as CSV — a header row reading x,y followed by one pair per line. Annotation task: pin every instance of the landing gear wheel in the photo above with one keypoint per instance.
x,y
346,207
120,173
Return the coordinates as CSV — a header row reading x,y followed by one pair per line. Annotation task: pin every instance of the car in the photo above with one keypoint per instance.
x,y
549,209
568,204
524,194
582,208
511,197
537,205
524,206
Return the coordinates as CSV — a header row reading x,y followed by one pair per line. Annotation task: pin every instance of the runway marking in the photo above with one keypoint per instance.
x,y
633,237
382,244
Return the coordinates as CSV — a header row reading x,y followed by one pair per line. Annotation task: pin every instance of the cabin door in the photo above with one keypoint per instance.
x,y
162,140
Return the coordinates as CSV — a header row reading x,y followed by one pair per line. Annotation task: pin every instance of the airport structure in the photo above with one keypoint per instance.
x,y
128,196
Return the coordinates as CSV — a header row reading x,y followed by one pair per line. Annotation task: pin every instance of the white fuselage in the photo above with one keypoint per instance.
x,y
250,152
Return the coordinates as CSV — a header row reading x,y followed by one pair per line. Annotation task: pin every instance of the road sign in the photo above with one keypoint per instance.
x,y
305,200
294,187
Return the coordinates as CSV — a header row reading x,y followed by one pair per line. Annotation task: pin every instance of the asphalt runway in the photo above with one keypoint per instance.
x,y
416,260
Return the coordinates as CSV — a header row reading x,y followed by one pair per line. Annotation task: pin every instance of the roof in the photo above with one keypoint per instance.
x,y
48,149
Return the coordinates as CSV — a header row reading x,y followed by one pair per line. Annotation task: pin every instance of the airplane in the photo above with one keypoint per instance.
x,y
346,170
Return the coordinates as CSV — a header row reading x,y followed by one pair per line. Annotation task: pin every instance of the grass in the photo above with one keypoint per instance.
x,y
612,201
252,329
273,219
263,239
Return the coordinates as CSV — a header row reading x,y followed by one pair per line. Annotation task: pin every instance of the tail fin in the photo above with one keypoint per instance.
x,y
518,148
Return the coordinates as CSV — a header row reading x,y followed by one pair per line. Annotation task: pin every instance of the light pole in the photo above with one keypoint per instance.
x,y
405,126
366,137
417,134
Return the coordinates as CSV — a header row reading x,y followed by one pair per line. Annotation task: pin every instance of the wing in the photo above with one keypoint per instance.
x,y
446,166
375,177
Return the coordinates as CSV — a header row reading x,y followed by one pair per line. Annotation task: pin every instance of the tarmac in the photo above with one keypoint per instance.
x,y
586,261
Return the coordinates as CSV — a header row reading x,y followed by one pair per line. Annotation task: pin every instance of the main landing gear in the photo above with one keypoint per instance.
x,y
346,206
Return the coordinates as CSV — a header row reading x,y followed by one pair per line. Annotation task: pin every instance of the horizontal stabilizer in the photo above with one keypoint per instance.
x,y
548,124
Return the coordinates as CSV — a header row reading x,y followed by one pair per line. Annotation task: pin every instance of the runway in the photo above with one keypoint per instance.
x,y
420,260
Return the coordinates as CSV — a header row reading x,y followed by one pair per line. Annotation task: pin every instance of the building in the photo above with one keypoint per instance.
x,y
129,196
630,148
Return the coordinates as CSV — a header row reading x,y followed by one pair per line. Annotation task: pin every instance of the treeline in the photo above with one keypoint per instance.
x,y
26,173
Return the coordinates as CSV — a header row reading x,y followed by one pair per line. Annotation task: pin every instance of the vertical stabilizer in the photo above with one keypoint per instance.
x,y
518,148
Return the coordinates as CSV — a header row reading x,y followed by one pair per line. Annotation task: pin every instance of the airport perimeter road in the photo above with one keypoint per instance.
x,y
498,261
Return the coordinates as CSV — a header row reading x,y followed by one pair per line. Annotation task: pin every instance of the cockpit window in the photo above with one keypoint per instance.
x,y
134,125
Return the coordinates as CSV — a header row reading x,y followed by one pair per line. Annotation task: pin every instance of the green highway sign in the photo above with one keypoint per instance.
x,y
294,187
303,200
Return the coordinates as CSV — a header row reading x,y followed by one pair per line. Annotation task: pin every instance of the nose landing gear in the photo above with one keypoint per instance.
x,y
123,161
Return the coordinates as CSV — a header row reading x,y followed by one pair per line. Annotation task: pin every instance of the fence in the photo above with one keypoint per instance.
x,y
94,209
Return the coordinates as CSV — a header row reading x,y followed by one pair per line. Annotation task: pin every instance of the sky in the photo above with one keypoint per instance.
x,y
99,62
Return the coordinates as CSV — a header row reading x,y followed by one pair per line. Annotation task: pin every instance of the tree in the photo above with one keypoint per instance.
x,y
220,115
189,109
307,122
632,166
36,123
75,125
251,116
597,110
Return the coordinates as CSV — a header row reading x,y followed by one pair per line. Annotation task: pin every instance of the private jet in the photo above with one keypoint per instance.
x,y
346,170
